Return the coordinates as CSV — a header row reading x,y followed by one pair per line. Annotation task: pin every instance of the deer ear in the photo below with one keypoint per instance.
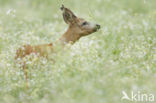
x,y
68,15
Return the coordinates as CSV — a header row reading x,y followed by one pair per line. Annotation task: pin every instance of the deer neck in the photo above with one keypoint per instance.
x,y
69,37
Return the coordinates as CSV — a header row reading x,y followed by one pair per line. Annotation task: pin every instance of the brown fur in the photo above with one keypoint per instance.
x,y
77,29
42,50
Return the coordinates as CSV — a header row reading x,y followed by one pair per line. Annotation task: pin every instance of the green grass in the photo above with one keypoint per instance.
x,y
96,69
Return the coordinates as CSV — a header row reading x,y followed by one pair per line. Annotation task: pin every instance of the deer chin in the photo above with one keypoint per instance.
x,y
90,32
95,30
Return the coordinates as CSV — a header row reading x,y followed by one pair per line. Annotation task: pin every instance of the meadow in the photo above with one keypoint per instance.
x,y
96,69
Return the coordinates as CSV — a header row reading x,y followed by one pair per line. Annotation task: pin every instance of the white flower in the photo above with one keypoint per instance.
x,y
11,12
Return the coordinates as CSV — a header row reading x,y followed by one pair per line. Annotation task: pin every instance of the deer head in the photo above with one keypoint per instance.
x,y
78,27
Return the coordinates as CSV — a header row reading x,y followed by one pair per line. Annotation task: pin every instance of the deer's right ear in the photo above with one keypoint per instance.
x,y
68,15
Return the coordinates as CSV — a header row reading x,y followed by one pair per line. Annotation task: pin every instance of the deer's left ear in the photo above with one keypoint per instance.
x,y
68,15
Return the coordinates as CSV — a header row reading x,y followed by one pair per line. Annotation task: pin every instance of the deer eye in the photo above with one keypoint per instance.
x,y
85,23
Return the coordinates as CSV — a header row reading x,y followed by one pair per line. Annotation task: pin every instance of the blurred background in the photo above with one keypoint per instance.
x,y
96,69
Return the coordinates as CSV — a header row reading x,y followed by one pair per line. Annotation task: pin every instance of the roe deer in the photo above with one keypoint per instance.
x,y
78,28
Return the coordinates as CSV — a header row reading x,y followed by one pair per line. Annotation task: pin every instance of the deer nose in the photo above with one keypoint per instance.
x,y
98,26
